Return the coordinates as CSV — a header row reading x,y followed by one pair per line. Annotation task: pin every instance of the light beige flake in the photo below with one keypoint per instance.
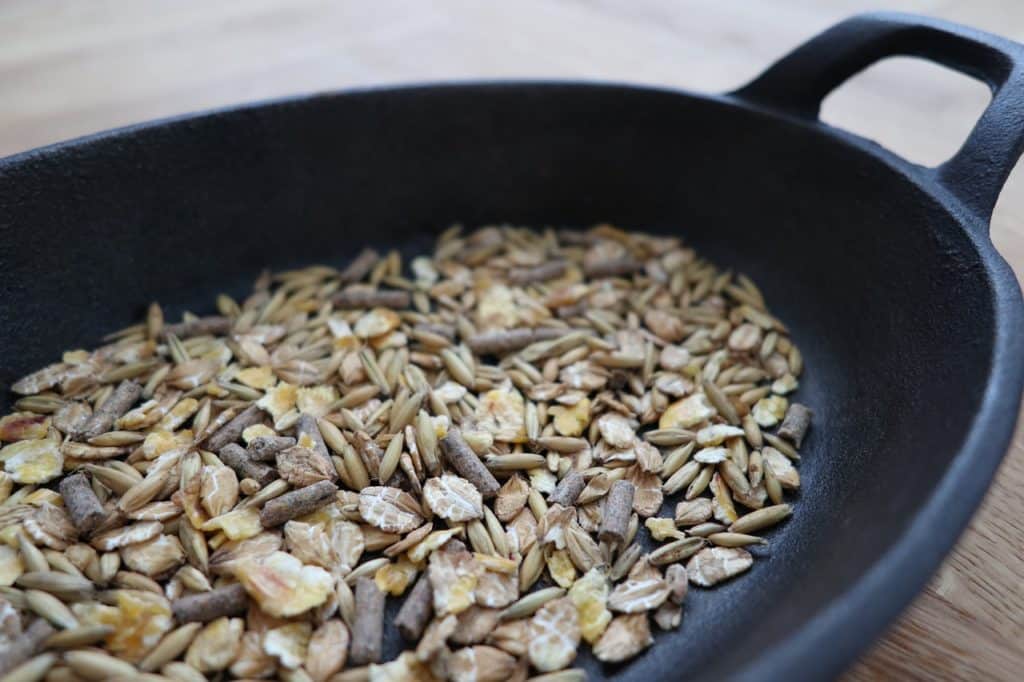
x,y
481,664
501,412
496,589
216,645
647,495
250,661
309,543
769,411
716,434
687,412
590,595
347,544
23,426
554,635
405,668
32,461
648,457
315,401
637,595
625,637
10,565
453,498
279,400
50,526
139,620
713,565
616,430
584,375
257,377
327,650
156,557
288,643
218,489
282,585
782,467
511,498
127,535
390,509
711,455
553,527
237,524
496,308
377,322
301,466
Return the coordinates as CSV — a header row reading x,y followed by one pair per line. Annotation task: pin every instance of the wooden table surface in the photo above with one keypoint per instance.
x,y
68,68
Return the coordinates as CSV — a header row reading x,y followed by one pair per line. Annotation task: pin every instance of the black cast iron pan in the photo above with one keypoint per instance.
x,y
910,321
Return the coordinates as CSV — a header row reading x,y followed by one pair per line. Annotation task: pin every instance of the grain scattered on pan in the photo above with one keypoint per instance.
x,y
492,434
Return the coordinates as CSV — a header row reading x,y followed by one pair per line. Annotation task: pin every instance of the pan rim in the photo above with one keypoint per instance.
x,y
846,625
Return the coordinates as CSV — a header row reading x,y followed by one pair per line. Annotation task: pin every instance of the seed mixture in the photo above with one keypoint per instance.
x,y
487,436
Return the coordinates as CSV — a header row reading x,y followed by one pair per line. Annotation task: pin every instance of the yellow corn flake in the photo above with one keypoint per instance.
x,y
663,529
10,565
161,441
23,426
687,412
238,524
440,425
769,411
257,377
590,595
421,550
454,577
282,585
140,620
43,496
542,480
316,401
377,322
32,461
279,400
497,564
561,568
395,577
255,431
570,421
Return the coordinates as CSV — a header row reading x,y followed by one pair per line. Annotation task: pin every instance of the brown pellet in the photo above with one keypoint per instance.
x,y
616,267
540,273
84,508
617,511
568,489
509,340
297,503
797,421
364,298
237,458
119,402
368,630
203,607
232,431
265,448
417,610
467,464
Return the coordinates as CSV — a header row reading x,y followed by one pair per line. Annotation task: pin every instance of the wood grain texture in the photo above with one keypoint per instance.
x,y
69,68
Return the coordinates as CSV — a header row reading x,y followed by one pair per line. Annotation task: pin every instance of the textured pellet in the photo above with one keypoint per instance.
x,y
360,267
119,402
84,508
506,341
265,448
297,503
237,458
617,511
568,489
797,421
206,606
232,431
465,461
368,630
213,325
415,613
540,273
371,299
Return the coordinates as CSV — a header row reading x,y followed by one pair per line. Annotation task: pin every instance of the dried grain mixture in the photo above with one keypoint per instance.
x,y
487,434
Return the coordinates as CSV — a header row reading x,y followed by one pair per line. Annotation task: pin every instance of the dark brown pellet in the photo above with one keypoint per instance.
x,y
360,267
360,298
206,606
307,427
232,431
568,489
214,325
617,510
119,402
612,268
13,654
540,273
265,448
368,629
297,503
84,508
465,461
235,456
794,426
417,610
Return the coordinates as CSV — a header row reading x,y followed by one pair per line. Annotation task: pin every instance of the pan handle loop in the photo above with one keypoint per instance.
x,y
797,84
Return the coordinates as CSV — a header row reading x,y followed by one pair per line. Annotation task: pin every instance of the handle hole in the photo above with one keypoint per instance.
x,y
917,109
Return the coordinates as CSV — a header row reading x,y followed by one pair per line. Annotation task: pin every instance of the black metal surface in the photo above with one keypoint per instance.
x,y
882,269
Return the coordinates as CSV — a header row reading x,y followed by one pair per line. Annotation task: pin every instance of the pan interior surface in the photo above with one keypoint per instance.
x,y
883,291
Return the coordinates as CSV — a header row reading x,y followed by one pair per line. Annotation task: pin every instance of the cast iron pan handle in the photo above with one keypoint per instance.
x,y
798,83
